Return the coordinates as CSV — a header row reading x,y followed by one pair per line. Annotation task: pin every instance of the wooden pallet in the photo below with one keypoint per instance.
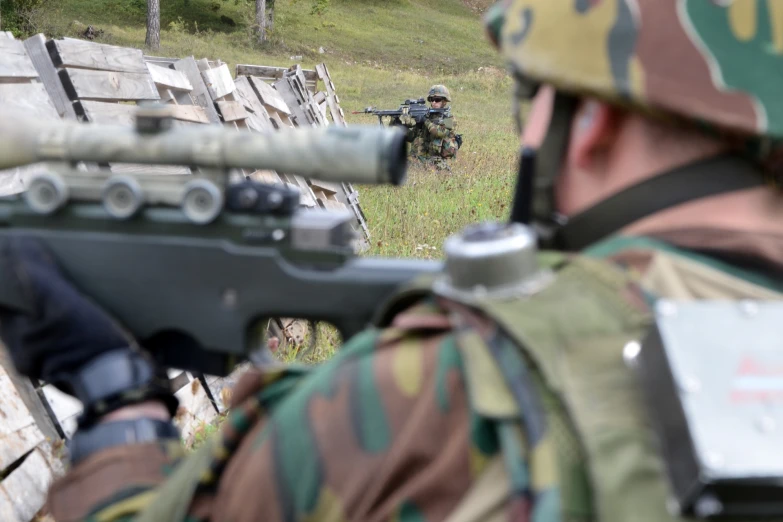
x,y
292,92
349,195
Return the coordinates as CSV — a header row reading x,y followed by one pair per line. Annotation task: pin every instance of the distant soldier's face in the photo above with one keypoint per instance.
x,y
437,103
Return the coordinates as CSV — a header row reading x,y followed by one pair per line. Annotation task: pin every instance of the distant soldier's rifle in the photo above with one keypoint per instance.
x,y
417,109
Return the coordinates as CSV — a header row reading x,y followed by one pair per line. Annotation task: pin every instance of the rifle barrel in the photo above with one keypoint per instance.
x,y
356,153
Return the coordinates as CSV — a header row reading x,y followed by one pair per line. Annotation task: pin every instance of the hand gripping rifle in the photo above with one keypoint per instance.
x,y
417,109
198,261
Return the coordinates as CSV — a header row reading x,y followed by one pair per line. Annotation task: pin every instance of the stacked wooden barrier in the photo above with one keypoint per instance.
x,y
97,83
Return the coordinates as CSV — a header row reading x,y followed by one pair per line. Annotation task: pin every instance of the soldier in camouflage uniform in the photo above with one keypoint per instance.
x,y
434,141
655,125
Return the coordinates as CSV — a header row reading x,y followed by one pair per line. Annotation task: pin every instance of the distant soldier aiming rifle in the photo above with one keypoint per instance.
x,y
431,130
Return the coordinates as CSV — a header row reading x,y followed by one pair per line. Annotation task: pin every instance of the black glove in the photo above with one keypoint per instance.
x,y
55,333
48,326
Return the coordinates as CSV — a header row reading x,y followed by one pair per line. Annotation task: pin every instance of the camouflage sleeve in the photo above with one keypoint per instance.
x,y
116,484
396,426
441,129
384,431
387,430
111,486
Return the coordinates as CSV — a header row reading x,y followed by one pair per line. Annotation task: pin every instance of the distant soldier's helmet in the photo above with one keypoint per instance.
x,y
705,61
439,91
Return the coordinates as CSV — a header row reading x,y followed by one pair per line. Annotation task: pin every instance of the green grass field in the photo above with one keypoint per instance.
x,y
379,53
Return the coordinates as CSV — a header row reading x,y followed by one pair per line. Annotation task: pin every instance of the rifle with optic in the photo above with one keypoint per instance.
x,y
191,265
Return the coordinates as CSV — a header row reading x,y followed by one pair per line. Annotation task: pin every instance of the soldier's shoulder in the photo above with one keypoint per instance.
x,y
592,293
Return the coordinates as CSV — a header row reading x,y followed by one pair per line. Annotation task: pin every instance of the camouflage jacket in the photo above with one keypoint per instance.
x,y
436,416
436,137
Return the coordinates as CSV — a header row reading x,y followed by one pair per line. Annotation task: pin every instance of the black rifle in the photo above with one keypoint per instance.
x,y
417,109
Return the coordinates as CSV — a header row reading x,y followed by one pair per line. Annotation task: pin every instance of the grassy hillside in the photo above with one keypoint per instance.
x,y
442,36
379,52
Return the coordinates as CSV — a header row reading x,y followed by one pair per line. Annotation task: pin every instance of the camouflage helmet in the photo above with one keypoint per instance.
x,y
439,90
705,61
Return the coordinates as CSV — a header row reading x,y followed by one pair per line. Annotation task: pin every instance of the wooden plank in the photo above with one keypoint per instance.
x,y
160,60
276,121
324,108
231,110
24,491
266,176
218,81
256,124
191,113
251,102
125,114
183,98
325,186
203,65
7,34
32,98
316,114
36,50
14,61
18,431
90,55
107,113
268,95
24,428
330,204
331,97
166,95
286,92
29,396
199,94
85,84
272,73
169,78
298,82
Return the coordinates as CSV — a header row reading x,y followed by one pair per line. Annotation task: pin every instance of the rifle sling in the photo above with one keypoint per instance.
x,y
717,175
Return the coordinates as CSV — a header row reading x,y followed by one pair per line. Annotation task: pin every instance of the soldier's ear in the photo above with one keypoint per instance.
x,y
592,133
536,123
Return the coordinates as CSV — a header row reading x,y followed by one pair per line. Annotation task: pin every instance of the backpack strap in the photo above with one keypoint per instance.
x,y
574,331
487,499
173,499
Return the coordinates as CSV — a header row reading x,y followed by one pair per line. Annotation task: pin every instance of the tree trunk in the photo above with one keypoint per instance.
x,y
270,15
153,24
261,20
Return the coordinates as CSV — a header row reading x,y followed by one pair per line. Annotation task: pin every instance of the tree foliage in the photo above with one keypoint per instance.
x,y
17,16
317,7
